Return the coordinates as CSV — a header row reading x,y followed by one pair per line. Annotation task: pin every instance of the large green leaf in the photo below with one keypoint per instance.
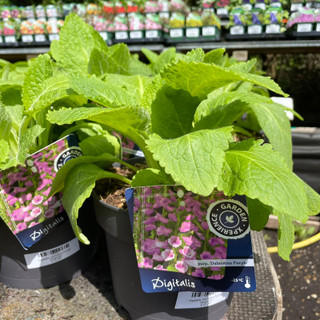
x,y
4,151
200,78
258,214
216,56
150,177
259,172
76,42
99,144
41,87
5,123
78,187
194,160
105,93
164,58
172,112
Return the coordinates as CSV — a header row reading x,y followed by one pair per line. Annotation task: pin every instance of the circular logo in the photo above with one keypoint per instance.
x,y
228,219
66,155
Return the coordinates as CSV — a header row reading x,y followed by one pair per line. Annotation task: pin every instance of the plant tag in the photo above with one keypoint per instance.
x,y
255,29
53,255
193,300
26,207
152,34
104,35
222,12
277,4
318,27
54,36
234,30
176,33
10,39
272,28
192,32
121,35
208,31
304,27
296,6
136,35
260,5
187,242
39,37
27,38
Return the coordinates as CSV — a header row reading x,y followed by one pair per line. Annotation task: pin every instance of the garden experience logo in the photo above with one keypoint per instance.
x,y
66,155
228,219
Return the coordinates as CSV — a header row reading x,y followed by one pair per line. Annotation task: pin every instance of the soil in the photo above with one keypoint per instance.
x,y
299,280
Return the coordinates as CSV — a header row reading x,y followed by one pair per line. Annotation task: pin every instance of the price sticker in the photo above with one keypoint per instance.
x,y
136,35
273,28
255,29
304,27
121,35
176,33
192,32
191,300
208,31
151,34
235,30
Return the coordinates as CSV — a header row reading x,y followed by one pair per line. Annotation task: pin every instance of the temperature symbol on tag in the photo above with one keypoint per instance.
x,y
247,284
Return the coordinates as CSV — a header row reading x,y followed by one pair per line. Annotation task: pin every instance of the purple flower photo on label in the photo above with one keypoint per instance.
x,y
171,232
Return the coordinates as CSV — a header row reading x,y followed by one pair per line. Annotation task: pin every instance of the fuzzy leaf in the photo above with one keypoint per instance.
x,y
4,151
76,42
78,187
103,92
215,56
150,177
258,214
164,58
194,160
41,88
172,112
261,173
200,79
5,123
99,144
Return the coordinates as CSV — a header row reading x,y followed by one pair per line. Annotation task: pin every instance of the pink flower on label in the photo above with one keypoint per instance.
x,y
148,211
32,224
37,200
159,267
190,217
160,218
168,254
175,241
215,241
49,213
35,212
21,226
188,226
188,252
157,257
215,268
216,277
204,226
181,266
206,255
172,217
220,253
147,263
46,192
150,227
193,242
162,230
150,220
28,218
199,273
137,203
28,183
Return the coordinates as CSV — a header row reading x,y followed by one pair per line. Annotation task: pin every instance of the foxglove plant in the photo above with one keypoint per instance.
x,y
187,121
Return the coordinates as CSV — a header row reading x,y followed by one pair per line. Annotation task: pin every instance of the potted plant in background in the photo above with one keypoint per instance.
x,y
198,123
37,245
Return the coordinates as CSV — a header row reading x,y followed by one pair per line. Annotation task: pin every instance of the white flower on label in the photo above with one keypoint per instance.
x,y
34,169
180,193
29,162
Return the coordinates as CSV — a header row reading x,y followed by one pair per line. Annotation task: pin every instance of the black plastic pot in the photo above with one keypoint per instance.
x,y
15,270
125,274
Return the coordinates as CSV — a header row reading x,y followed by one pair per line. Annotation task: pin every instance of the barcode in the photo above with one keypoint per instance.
x,y
199,294
55,250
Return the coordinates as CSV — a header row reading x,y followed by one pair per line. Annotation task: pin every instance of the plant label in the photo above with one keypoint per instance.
x,y
26,207
176,33
121,35
10,39
222,12
208,31
104,35
272,28
192,300
27,38
318,27
192,32
54,36
255,29
236,30
136,35
304,27
39,38
187,242
152,34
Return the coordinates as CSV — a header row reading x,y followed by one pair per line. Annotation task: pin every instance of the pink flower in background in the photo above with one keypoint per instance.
x,y
175,241
168,254
181,266
35,212
199,273
188,252
172,217
162,230
37,200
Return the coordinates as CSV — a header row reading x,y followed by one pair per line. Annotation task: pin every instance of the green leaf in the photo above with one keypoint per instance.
x,y
172,112
105,93
11,96
41,88
150,177
200,78
76,42
244,66
61,176
136,85
258,214
215,56
258,172
4,151
137,67
79,185
16,115
99,144
195,55
164,58
285,235
115,59
5,123
151,56
194,160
